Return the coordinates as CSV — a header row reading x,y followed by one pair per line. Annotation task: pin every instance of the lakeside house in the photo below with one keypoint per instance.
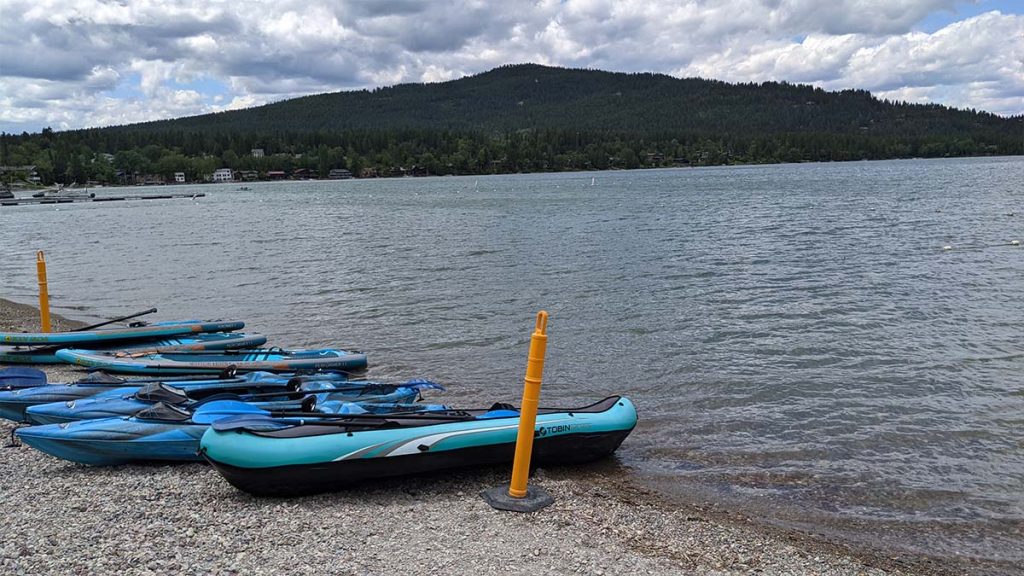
x,y
25,172
179,177
339,174
148,179
257,153
223,175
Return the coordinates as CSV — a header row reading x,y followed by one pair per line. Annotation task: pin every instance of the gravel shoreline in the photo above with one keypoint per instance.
x,y
64,518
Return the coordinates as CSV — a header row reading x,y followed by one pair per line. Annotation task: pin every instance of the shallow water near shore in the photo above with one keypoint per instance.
x,y
797,340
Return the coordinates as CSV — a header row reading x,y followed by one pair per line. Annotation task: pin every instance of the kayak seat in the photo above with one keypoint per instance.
x,y
498,414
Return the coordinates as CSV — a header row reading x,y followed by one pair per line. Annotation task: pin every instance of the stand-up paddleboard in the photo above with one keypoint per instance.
x,y
201,341
89,337
213,362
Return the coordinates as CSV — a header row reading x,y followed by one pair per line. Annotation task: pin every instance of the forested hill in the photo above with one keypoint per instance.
x,y
523,118
538,97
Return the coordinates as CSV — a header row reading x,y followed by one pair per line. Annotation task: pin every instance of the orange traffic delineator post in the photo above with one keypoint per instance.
x,y
44,294
519,496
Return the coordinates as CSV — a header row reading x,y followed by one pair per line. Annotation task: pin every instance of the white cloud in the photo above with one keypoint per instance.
x,y
978,63
74,63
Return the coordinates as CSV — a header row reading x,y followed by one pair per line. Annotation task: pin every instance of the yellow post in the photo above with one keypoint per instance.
x,y
518,497
528,410
44,295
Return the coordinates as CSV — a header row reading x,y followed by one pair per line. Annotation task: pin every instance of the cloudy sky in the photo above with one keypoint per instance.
x,y
79,63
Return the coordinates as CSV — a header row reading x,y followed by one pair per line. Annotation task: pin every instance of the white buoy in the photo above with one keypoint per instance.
x,y
947,247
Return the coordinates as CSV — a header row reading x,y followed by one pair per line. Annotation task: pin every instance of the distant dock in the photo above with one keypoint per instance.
x,y
73,199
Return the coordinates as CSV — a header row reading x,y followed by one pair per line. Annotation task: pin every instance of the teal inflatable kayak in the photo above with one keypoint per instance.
x,y
201,341
284,455
151,332
214,362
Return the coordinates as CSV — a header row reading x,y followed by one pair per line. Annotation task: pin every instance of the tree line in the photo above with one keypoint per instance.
x,y
414,152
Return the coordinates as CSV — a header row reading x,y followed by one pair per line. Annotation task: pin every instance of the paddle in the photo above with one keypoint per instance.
x,y
121,319
225,352
210,412
21,377
292,393
257,423
100,377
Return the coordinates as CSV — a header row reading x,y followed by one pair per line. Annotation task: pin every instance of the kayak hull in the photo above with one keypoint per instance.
x,y
290,463
14,403
113,441
306,479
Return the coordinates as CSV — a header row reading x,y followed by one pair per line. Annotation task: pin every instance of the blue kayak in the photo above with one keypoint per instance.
x,y
14,403
21,377
287,455
201,341
162,432
135,400
213,362
151,332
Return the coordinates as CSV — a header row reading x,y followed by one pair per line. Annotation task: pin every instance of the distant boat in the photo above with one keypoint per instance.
x,y
5,191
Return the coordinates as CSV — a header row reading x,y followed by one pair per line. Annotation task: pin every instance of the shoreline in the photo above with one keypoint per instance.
x,y
473,175
602,522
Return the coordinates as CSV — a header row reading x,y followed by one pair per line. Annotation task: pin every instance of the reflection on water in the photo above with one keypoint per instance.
x,y
795,337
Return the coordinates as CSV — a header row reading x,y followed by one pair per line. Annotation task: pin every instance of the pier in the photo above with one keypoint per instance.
x,y
73,199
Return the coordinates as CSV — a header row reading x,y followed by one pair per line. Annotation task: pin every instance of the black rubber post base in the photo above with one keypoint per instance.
x,y
535,499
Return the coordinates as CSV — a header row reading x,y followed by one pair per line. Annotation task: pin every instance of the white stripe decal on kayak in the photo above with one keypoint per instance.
x,y
419,440
412,446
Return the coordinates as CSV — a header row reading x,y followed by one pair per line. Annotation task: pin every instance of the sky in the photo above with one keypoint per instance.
x,y
83,63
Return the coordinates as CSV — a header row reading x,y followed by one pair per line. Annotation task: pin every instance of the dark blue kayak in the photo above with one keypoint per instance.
x,y
13,403
162,432
201,341
21,377
212,362
151,332
129,403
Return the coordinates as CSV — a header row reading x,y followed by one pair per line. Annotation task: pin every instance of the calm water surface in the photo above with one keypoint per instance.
x,y
797,340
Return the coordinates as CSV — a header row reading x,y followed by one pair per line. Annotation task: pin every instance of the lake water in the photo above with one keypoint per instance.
x,y
800,345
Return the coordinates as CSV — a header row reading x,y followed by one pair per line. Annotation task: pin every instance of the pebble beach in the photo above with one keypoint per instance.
x,y
64,518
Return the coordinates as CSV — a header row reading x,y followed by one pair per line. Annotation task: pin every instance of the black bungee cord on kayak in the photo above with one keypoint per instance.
x,y
13,442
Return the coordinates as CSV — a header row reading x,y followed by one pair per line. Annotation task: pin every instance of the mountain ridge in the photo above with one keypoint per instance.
x,y
522,118
532,96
